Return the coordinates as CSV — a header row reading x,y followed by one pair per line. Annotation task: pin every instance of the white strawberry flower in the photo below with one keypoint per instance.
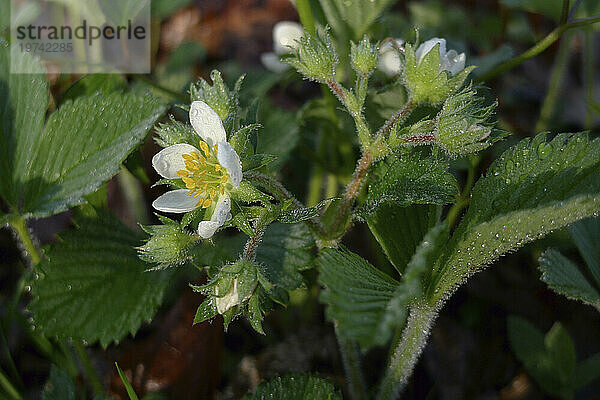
x,y
209,173
389,59
450,60
285,37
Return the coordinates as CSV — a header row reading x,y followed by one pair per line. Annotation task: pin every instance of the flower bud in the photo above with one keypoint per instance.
x,y
431,73
168,245
363,57
389,57
463,125
235,283
217,96
315,57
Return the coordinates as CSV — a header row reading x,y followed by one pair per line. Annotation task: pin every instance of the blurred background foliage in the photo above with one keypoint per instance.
x,y
474,352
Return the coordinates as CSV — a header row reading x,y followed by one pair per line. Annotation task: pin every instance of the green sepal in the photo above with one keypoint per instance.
x,y
248,193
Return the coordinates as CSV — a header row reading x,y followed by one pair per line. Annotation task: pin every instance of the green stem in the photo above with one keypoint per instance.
x,y
306,16
565,12
537,48
351,360
134,196
558,72
9,387
19,225
11,363
89,369
465,196
589,64
364,133
408,350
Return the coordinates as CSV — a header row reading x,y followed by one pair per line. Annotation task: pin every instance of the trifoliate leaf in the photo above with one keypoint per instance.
x,y
81,147
405,179
399,230
367,304
59,386
549,359
353,16
563,276
93,286
586,235
284,251
295,387
533,188
23,101
357,296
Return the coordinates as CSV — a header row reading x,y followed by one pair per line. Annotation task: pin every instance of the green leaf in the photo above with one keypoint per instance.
x,y
23,104
562,352
82,146
357,296
549,359
587,371
586,235
563,276
551,9
279,135
399,230
367,304
93,286
128,387
534,188
356,16
295,387
408,179
59,386
284,251
94,83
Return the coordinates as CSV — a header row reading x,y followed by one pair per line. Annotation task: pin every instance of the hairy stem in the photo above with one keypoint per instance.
x,y
337,228
278,190
90,372
537,48
351,360
364,133
408,350
19,225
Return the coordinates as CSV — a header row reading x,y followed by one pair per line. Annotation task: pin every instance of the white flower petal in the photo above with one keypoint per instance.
x,y
285,35
222,210
169,160
426,47
220,215
175,201
272,63
207,123
453,62
207,228
389,62
231,299
230,160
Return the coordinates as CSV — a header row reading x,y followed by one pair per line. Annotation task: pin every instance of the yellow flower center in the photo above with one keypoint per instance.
x,y
203,175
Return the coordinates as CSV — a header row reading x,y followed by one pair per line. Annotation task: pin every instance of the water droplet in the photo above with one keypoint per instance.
x,y
543,150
